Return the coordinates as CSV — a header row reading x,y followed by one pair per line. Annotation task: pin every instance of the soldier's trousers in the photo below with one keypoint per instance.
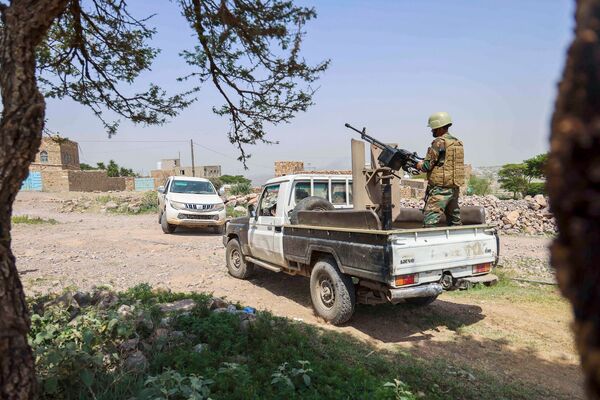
x,y
441,201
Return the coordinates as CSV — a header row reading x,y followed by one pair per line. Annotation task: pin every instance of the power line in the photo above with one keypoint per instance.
x,y
132,141
230,157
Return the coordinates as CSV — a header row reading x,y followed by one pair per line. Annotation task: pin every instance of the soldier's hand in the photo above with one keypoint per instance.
x,y
420,165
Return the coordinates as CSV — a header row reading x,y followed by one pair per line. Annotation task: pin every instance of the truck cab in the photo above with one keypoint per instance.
x,y
279,197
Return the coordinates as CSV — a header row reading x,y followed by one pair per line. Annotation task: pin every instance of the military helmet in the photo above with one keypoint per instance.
x,y
439,119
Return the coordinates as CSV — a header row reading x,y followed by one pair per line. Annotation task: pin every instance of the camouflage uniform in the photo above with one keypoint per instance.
x,y
441,199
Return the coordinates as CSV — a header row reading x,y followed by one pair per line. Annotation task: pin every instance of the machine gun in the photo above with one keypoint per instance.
x,y
391,157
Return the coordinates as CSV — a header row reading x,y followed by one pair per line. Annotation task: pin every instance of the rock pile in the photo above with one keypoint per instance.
x,y
530,215
241,202
131,204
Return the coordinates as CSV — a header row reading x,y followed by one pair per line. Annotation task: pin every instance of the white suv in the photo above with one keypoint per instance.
x,y
190,202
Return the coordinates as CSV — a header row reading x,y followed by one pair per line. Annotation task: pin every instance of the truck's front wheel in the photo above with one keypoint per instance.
x,y
166,227
332,293
237,266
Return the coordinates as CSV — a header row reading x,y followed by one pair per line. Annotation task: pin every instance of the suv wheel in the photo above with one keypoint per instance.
x,y
236,264
166,227
332,293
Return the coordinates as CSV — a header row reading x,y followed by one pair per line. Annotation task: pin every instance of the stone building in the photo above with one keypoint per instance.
x,y
56,153
56,169
288,167
172,166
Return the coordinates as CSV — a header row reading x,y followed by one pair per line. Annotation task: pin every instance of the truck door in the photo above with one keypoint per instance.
x,y
265,230
161,196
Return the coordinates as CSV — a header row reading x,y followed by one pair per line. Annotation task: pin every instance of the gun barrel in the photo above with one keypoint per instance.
x,y
368,138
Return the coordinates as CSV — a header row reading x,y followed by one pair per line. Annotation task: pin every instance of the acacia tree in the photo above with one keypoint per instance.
x,y
574,187
91,52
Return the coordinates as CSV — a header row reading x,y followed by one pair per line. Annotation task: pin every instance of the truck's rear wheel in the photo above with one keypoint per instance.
x,y
332,293
421,301
236,264
313,203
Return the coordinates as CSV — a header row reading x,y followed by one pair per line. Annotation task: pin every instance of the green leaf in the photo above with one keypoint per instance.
x,y
88,337
87,377
112,324
53,357
306,380
51,385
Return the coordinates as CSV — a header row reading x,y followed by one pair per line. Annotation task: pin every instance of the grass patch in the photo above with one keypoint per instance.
x,y
26,219
147,203
513,291
272,358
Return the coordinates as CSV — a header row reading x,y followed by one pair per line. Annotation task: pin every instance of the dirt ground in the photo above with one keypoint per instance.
x,y
527,342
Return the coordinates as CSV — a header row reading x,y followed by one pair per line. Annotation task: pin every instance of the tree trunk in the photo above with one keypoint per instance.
x,y
25,24
574,187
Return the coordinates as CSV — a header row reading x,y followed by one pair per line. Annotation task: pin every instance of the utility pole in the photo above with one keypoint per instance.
x,y
193,166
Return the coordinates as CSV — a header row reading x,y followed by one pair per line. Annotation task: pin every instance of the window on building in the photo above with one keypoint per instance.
x,y
44,156
182,171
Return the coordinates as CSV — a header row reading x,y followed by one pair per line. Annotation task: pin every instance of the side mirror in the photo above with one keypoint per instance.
x,y
251,211
161,189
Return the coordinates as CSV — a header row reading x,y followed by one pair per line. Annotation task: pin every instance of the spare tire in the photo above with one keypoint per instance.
x,y
312,203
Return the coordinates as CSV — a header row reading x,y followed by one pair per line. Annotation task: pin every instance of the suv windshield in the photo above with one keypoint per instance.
x,y
193,187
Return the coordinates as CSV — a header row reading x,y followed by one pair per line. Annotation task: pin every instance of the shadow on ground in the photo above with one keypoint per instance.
x,y
183,231
416,329
387,323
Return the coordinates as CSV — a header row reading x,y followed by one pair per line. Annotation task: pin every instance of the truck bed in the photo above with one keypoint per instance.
x,y
380,255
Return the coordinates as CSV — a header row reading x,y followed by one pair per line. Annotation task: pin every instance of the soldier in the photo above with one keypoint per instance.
x,y
445,168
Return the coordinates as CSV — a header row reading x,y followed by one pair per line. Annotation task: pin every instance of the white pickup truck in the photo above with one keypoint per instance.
x,y
296,229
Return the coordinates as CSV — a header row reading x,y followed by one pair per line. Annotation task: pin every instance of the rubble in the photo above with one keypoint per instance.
x,y
241,201
530,215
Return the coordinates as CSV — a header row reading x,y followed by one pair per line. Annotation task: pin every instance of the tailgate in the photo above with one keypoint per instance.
x,y
430,251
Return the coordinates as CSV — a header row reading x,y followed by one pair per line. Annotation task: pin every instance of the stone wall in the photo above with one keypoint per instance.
x,y
288,167
90,181
55,180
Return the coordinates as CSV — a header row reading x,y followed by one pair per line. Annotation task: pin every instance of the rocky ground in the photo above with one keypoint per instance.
x,y
530,215
88,247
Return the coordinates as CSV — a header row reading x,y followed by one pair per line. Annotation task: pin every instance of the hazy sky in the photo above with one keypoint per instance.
x,y
494,65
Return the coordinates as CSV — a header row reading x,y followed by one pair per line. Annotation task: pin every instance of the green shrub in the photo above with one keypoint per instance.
x,y
231,212
536,188
149,202
479,186
241,188
79,355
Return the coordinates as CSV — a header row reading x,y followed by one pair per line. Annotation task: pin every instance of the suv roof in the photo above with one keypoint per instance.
x,y
291,177
188,178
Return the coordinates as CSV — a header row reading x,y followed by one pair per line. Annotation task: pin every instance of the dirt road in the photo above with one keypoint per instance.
x,y
516,341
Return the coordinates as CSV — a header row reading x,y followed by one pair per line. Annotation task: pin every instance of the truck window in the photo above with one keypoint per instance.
x,y
268,201
301,191
321,189
350,192
338,192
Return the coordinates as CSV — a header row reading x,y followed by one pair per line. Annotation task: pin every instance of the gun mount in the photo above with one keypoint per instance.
x,y
376,182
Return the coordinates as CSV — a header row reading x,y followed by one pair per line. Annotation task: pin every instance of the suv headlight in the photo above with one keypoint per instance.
x,y
177,205
219,207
